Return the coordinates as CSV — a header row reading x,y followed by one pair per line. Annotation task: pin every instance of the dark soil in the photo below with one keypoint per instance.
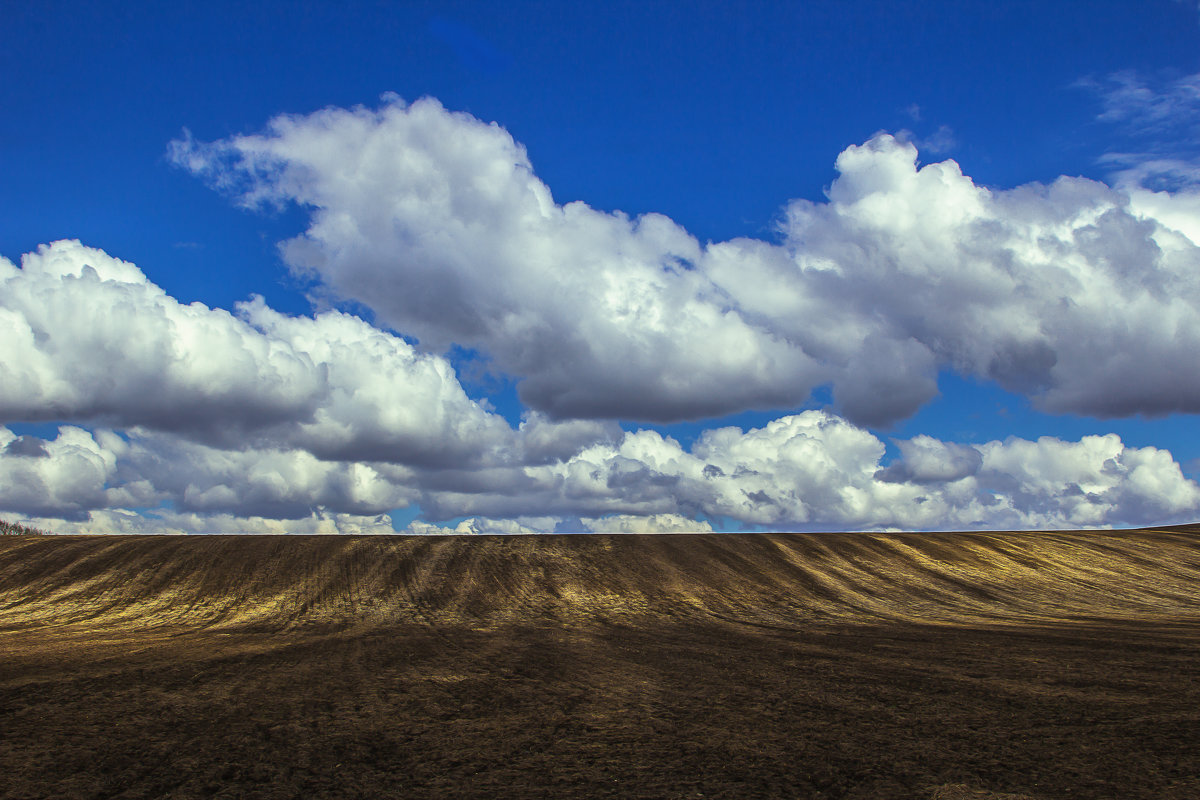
x,y
805,666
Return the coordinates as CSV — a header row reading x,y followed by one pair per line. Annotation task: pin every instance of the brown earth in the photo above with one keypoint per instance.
x,y
951,666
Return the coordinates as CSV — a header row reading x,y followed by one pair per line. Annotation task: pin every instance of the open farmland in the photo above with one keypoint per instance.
x,y
932,665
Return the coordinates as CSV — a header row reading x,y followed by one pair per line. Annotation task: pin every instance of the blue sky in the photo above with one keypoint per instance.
x,y
729,229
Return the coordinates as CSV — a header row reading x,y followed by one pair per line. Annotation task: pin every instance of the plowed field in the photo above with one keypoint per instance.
x,y
947,666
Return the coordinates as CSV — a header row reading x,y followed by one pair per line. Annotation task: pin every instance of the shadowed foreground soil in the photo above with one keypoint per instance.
x,y
947,666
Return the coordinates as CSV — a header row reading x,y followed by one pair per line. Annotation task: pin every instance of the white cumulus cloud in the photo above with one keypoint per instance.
x,y
808,471
478,526
437,222
651,523
817,471
64,477
89,338
1075,293
1070,293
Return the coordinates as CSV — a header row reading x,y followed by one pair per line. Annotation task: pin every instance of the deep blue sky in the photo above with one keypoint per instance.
x,y
714,114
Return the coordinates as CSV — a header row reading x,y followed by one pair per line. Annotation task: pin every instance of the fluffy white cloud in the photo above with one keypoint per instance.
x,y
383,401
89,338
927,460
1074,293
543,440
436,221
807,471
64,477
80,471
1071,293
817,471
284,484
652,523
478,526
1095,481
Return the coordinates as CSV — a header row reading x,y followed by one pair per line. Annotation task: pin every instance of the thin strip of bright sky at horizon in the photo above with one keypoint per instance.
x,y
525,267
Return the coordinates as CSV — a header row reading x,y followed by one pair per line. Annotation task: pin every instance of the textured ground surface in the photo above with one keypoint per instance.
x,y
947,666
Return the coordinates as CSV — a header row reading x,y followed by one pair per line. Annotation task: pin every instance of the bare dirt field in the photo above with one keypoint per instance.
x,y
945,666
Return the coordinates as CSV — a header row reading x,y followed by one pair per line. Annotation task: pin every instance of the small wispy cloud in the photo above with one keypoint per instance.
x,y
1159,120
939,142
1146,106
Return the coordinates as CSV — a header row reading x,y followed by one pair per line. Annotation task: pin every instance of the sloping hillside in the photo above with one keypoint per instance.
x,y
989,666
275,582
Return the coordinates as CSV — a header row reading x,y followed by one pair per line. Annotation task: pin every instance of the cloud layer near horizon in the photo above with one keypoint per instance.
x,y
806,471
